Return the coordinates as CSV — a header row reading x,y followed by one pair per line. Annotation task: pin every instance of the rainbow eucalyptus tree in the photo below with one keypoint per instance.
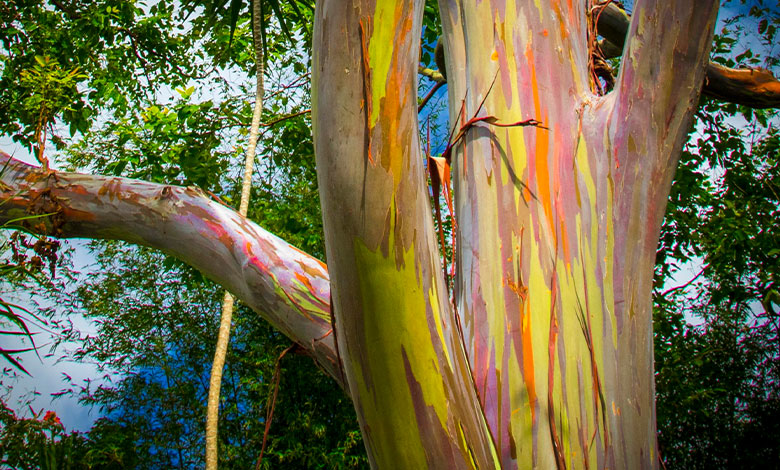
x,y
545,358
541,357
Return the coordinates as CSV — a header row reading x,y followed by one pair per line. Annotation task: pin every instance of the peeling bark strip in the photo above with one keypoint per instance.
x,y
287,287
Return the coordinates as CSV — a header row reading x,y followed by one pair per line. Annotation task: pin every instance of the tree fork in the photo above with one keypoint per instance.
x,y
752,87
557,229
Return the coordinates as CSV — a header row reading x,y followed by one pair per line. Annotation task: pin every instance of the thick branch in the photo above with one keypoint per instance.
x,y
660,78
656,94
755,88
286,286
434,75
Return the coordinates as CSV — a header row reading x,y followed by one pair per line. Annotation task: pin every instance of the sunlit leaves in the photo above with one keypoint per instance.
x,y
112,43
718,382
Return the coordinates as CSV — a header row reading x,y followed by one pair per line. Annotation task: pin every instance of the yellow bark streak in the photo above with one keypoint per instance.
x,y
396,324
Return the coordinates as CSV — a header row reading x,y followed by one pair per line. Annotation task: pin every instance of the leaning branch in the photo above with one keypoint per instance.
x,y
755,88
288,287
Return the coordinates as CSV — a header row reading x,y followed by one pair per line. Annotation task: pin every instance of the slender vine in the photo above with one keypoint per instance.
x,y
223,338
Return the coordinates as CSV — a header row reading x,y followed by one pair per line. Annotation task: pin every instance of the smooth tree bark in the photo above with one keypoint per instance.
x,y
545,357
558,228
404,361
286,286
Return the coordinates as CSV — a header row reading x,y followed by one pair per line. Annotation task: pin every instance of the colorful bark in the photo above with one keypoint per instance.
x,y
288,287
396,331
558,228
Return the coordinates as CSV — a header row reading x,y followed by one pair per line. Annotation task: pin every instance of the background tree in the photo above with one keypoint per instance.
x,y
157,329
717,379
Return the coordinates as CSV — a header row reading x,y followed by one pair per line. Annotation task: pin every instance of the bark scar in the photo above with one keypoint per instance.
x,y
368,106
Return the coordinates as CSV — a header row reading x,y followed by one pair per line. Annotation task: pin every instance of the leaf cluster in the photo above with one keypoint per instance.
x,y
41,443
103,55
717,354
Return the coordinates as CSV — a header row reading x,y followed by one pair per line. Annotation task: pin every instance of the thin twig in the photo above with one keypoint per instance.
x,y
491,120
429,95
284,118
683,286
272,401
294,84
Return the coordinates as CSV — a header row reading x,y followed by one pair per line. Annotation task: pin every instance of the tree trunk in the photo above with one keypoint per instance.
x,y
397,335
557,229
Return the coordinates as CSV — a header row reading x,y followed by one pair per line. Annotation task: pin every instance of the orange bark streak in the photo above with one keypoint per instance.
x,y
542,148
305,281
312,271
